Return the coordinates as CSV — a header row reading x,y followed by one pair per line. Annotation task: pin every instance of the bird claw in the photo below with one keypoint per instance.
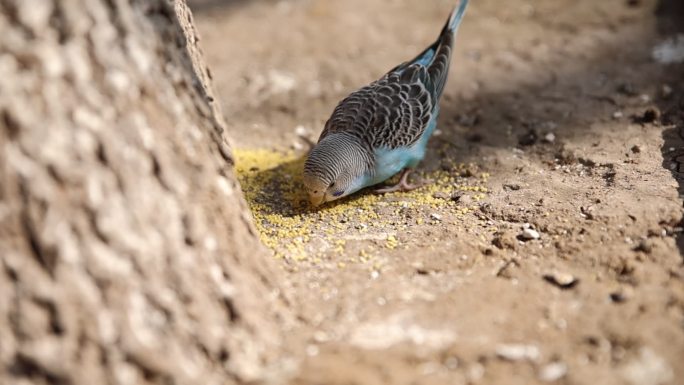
x,y
403,185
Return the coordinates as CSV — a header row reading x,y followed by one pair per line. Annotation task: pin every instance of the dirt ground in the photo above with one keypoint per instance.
x,y
546,249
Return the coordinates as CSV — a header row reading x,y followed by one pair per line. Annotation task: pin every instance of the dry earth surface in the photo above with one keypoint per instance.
x,y
546,250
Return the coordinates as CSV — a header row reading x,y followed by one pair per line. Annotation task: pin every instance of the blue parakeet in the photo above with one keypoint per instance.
x,y
383,128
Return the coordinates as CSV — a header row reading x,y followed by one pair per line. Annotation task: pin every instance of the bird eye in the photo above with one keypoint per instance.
x,y
338,193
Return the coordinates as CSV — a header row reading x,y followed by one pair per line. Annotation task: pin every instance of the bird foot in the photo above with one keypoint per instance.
x,y
403,185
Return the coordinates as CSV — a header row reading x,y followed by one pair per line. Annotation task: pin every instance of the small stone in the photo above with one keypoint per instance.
x,y
618,114
561,280
587,212
435,217
528,139
644,98
530,234
312,350
550,137
553,372
645,246
505,240
301,131
650,115
648,369
296,146
460,197
517,352
636,149
321,336
665,91
468,172
475,372
621,295
441,195
511,187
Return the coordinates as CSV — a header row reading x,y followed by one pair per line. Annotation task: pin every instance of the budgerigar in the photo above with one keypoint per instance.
x,y
383,128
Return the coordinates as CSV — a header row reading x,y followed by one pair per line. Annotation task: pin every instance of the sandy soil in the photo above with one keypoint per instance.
x,y
557,119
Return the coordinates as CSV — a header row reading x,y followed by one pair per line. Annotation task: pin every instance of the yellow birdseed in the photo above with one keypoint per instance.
x,y
272,183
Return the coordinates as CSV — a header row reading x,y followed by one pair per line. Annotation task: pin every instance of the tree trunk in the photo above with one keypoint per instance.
x,y
127,253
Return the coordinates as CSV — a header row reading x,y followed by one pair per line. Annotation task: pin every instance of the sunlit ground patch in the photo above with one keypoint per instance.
x,y
272,183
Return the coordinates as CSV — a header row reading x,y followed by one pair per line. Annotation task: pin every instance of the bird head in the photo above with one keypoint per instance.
x,y
336,167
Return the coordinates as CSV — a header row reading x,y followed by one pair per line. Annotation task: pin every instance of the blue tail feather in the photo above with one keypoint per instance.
x,y
426,57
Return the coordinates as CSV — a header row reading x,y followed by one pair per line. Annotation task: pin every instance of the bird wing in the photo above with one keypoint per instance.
x,y
394,111
389,113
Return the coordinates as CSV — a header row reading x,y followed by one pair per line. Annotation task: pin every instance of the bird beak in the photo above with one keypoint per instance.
x,y
316,200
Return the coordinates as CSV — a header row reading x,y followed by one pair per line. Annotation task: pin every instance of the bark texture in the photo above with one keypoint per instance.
x,y
127,253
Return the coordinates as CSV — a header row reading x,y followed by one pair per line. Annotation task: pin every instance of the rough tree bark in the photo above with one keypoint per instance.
x,y
127,254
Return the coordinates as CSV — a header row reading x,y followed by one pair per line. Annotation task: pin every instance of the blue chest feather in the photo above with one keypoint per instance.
x,y
388,162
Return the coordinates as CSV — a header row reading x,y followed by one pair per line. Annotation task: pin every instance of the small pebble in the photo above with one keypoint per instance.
x,y
617,114
666,91
517,352
562,280
312,350
529,234
636,149
528,139
550,137
441,195
553,372
621,295
301,130
436,217
463,199
651,115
